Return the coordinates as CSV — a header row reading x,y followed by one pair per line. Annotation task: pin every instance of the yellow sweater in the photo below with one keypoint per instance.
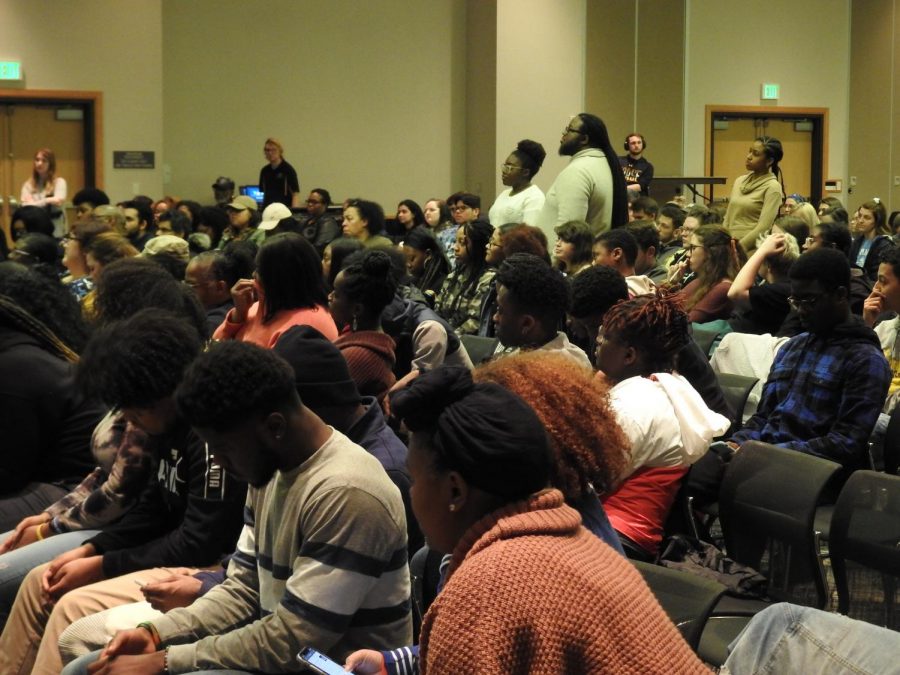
x,y
752,207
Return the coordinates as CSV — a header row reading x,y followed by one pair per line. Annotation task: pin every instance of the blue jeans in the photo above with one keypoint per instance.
x,y
16,564
79,667
787,638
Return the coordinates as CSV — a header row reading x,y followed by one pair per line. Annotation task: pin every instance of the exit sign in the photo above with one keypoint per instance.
x,y
10,70
770,92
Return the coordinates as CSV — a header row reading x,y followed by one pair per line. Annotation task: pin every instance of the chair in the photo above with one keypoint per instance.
x,y
424,572
736,389
891,443
767,506
705,339
865,547
479,348
686,598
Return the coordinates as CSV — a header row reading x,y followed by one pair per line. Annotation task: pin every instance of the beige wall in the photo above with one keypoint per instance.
x,y
540,77
361,94
112,46
734,47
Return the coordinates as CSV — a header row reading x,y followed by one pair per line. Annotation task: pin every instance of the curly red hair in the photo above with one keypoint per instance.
x,y
589,445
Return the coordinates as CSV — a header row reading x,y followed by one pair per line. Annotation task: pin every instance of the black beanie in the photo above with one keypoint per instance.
x,y
320,371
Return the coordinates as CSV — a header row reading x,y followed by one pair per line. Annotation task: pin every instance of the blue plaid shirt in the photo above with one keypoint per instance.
x,y
823,395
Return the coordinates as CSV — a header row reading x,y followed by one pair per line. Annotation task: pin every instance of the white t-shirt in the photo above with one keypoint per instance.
x,y
523,207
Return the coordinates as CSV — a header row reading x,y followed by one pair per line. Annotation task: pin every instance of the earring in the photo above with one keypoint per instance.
x,y
453,507
353,325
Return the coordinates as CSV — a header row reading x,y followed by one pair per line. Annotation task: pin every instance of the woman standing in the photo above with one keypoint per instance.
x,y
46,189
521,201
872,238
756,196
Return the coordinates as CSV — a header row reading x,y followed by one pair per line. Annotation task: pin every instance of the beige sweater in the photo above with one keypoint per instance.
x,y
752,207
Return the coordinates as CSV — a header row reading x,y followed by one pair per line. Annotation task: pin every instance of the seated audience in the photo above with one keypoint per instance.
x,y
324,542
273,216
409,215
243,217
442,225
47,421
30,220
715,258
669,222
506,240
320,227
288,290
826,386
872,238
334,255
85,201
172,253
364,221
174,223
74,244
665,419
105,248
644,208
804,213
480,462
40,252
212,221
532,300
466,287
589,450
465,207
361,292
885,297
188,514
593,292
572,251
139,223
112,216
762,307
522,200
646,264
618,249
425,261
211,276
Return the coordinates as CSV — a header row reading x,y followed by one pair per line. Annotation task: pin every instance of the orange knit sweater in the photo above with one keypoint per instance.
x,y
530,590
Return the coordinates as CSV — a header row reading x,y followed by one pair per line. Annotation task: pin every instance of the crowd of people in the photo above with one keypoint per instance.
x,y
230,426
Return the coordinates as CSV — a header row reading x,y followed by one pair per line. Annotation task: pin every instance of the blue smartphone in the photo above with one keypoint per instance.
x,y
319,662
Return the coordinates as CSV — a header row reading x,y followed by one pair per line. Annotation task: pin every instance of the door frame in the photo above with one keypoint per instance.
x,y
819,116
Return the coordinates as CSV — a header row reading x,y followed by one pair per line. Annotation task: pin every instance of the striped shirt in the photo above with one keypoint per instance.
x,y
321,563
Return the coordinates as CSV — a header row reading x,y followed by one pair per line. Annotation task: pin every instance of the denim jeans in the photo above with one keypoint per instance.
x,y
79,667
16,564
787,638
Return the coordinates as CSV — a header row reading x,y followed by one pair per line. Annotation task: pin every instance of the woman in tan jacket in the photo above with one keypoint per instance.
x,y
756,196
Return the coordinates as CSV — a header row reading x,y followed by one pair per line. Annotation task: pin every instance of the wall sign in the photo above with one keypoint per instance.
x,y
134,159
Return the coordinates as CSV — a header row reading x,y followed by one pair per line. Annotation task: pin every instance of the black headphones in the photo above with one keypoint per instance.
x,y
643,141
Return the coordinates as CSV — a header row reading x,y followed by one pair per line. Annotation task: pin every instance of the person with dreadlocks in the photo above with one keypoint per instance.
x,y
46,421
666,420
756,196
464,289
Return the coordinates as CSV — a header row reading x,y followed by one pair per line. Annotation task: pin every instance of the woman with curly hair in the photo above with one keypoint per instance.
x,y
715,258
665,419
466,287
589,447
362,290
521,201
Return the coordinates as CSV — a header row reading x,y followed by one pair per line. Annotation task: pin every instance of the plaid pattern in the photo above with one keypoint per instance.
x,y
823,395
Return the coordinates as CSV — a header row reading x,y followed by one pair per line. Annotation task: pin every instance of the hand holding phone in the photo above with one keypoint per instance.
x,y
319,662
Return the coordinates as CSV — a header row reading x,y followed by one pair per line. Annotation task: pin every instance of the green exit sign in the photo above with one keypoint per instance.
x,y
10,70
770,91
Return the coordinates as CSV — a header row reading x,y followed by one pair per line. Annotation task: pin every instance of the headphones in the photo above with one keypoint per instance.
x,y
643,141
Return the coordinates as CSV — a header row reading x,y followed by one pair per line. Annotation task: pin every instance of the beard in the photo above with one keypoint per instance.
x,y
569,148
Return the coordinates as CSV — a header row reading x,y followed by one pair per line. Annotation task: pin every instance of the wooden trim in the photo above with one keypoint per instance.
x,y
768,111
52,95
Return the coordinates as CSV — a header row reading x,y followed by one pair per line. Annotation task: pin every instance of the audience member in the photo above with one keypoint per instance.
x,y
272,216
618,248
364,221
795,227
665,419
465,207
409,215
425,261
139,223
872,238
572,252
646,264
805,213
212,221
334,255
442,224
316,501
480,461
75,243
223,191
762,307
532,300
243,217
30,220
191,209
756,196
885,297
288,290
715,258
171,253
111,215
638,171
187,515
644,208
46,191
278,180
361,291
466,287
592,187
320,228
40,252
522,200
593,292
669,222
85,201
212,275
105,248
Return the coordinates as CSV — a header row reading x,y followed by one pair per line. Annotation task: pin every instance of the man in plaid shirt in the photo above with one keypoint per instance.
x,y
826,386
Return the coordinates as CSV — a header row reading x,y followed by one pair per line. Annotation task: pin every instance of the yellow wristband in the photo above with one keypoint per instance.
x,y
39,533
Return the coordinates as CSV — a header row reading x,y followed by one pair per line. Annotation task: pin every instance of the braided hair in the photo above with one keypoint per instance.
x,y
656,325
13,316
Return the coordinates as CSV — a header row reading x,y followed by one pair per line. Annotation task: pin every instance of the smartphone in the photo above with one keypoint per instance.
x,y
319,662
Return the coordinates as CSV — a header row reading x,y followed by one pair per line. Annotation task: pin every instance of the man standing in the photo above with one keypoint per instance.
x,y
592,187
638,171
278,179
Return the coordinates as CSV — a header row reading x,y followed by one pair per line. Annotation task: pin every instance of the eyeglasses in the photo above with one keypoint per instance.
x,y
509,167
804,303
570,130
493,244
690,248
459,209
69,237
